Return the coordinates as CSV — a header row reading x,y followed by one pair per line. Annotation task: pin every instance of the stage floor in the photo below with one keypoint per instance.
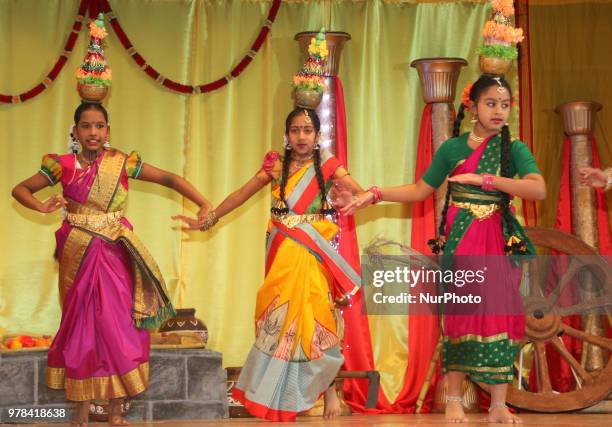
x,y
391,420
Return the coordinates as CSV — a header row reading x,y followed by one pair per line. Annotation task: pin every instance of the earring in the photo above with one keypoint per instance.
x,y
317,146
286,143
73,145
107,143
474,119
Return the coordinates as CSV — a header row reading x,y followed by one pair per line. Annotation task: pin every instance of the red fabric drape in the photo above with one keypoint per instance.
x,y
563,380
423,330
357,349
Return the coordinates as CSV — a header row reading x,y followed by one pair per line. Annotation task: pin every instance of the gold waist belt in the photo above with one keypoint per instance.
x,y
292,221
94,221
481,212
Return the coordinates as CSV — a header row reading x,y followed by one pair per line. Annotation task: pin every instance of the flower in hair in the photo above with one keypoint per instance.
x,y
465,98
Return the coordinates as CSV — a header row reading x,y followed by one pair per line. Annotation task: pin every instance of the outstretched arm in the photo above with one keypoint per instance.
x,y
180,185
24,194
244,193
231,202
402,194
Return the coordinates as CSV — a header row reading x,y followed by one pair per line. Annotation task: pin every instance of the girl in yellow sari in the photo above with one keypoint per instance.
x,y
296,354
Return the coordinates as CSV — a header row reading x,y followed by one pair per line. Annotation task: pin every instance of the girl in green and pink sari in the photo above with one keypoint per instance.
x,y
477,222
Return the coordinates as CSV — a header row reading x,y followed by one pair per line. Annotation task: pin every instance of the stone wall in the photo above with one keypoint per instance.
x,y
184,384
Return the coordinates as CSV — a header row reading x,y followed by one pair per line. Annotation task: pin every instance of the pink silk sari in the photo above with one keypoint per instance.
x,y
98,352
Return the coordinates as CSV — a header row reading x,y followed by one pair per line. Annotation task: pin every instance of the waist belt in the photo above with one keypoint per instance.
x,y
94,221
291,221
481,212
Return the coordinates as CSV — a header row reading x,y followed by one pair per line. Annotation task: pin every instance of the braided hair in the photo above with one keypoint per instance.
x,y
325,209
484,81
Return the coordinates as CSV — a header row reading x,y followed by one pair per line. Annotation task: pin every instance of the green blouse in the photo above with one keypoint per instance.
x,y
454,150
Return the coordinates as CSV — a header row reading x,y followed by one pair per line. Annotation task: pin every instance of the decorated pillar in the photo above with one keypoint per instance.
x,y
439,82
578,124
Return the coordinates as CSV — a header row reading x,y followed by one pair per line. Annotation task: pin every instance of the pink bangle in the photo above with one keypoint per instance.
x,y
487,182
377,194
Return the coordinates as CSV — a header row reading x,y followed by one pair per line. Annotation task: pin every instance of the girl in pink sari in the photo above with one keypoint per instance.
x,y
479,340
111,289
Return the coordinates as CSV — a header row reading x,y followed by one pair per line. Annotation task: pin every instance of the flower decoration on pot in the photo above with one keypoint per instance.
x,y
94,76
500,39
309,82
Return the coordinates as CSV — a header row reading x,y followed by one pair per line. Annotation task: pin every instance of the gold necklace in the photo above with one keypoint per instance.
x,y
301,162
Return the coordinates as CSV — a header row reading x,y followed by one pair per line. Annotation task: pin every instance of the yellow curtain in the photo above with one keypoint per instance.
x,y
216,140
570,61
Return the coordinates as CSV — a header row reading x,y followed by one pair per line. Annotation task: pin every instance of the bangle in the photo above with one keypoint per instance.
x,y
377,194
487,182
210,220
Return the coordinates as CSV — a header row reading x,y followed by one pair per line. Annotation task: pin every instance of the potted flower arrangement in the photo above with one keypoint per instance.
x,y
94,75
500,39
309,82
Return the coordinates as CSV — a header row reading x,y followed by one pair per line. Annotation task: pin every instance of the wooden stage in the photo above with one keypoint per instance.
x,y
391,420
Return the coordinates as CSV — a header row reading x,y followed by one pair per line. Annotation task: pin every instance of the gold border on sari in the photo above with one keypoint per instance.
x,y
455,367
111,387
70,262
107,180
479,338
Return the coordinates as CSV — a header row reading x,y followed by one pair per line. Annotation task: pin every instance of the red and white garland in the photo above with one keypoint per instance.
x,y
59,64
104,6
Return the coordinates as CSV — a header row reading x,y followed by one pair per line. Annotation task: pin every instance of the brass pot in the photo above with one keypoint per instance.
x,y
185,321
307,98
493,65
92,93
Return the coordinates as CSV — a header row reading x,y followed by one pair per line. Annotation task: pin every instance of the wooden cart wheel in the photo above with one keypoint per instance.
x,y
543,325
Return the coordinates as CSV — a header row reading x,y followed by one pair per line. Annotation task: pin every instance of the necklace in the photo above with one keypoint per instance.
x,y
301,162
476,138
82,159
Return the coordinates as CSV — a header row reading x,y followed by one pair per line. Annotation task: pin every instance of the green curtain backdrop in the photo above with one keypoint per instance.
x,y
218,140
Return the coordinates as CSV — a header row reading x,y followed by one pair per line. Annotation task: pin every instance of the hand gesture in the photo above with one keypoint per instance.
x,y
53,203
340,194
357,203
192,223
204,210
592,177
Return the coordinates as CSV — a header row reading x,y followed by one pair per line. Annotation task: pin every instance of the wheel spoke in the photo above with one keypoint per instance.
x,y
594,304
543,375
599,341
560,346
534,277
567,277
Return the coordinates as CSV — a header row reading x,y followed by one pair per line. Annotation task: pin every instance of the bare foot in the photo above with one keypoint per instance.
x,y
331,407
81,414
114,413
454,413
503,415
